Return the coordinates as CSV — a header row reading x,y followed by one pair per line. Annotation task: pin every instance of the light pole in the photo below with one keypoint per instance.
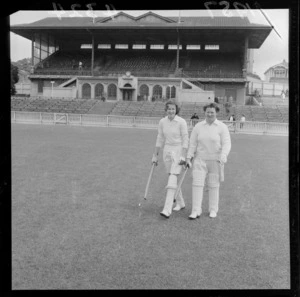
x,y
52,82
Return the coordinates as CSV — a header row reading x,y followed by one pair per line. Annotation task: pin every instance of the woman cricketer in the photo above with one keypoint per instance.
x,y
209,145
173,135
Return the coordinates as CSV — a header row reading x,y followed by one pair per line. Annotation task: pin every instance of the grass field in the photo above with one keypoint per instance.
x,y
76,223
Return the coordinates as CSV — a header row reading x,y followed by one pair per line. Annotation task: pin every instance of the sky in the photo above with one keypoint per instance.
x,y
273,51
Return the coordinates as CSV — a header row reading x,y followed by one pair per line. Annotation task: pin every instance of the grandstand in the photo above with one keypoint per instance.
x,y
144,58
130,66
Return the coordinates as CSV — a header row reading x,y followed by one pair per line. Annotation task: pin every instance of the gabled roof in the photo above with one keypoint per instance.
x,y
113,17
146,26
200,22
283,64
150,13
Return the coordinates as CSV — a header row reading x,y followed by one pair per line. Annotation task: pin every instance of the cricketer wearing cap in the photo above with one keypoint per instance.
x,y
210,144
173,136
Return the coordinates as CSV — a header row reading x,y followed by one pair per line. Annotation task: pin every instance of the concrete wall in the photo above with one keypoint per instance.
x,y
93,81
189,95
59,92
23,88
241,96
34,89
163,82
267,89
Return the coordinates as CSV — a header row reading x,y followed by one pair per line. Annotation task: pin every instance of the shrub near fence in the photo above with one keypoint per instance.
x,y
137,122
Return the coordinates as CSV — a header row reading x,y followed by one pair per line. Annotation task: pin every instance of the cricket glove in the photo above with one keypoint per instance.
x,y
223,159
154,160
188,163
182,161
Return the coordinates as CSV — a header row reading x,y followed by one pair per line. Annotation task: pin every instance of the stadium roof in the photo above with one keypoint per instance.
x,y
150,22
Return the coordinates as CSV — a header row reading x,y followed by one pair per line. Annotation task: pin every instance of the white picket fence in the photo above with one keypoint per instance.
x,y
269,128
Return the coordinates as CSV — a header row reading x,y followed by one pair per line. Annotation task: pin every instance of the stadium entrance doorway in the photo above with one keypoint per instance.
x,y
127,92
127,95
231,95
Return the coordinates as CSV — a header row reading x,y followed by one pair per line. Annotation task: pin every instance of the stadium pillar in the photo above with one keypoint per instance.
x,y
150,93
32,51
93,54
177,52
92,90
245,66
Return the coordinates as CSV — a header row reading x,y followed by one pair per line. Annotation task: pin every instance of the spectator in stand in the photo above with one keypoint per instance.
x,y
231,118
216,100
173,136
242,121
80,65
282,95
195,119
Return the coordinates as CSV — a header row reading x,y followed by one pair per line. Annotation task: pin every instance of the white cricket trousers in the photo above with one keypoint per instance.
x,y
209,169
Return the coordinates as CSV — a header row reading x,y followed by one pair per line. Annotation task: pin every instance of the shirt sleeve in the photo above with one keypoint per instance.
x,y
160,136
193,143
225,141
184,134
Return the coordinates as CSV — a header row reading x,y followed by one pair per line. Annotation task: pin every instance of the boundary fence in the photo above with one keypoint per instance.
x,y
269,128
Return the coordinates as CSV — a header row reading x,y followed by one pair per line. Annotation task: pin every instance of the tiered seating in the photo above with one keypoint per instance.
x,y
158,109
143,62
212,65
146,109
52,105
284,111
103,108
187,109
140,63
272,101
273,114
259,114
20,103
133,108
120,107
66,60
245,110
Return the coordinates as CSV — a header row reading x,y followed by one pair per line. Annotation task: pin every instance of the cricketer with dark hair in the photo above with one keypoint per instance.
x,y
173,136
209,146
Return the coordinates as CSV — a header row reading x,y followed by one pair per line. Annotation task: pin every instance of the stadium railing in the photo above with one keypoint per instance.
x,y
248,127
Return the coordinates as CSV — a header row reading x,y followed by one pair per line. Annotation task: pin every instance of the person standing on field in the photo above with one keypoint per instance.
x,y
173,137
195,119
209,145
242,121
